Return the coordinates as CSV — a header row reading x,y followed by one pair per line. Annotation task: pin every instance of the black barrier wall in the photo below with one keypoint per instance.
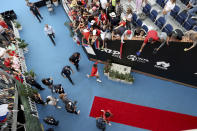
x,y
170,62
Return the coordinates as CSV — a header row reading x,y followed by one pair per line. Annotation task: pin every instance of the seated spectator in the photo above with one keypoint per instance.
x,y
192,8
52,101
117,33
128,18
121,24
192,35
103,16
151,38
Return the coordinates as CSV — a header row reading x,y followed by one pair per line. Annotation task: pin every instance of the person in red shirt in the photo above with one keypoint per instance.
x,y
3,24
152,37
103,16
94,72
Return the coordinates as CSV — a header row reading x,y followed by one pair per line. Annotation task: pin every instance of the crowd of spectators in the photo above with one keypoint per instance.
x,y
101,21
9,55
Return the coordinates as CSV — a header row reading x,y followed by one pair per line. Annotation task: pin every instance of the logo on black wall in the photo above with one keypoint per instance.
x,y
137,59
162,65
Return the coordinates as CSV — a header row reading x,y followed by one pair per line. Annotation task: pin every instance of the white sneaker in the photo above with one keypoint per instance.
x,y
88,76
98,80
59,107
78,112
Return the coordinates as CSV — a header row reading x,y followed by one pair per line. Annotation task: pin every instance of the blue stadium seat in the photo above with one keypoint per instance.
x,y
195,28
134,19
181,17
160,22
145,28
161,3
168,29
153,15
139,23
189,24
175,11
147,9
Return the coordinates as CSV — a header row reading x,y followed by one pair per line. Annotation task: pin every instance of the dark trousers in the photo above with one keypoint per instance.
x,y
68,76
37,85
51,36
77,65
38,16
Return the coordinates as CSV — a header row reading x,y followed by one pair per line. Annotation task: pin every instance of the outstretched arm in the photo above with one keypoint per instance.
x,y
194,44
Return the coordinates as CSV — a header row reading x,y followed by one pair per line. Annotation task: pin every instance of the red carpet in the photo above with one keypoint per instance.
x,y
143,117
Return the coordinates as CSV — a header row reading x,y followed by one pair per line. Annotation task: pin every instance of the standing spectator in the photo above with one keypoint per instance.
x,y
127,35
35,11
103,4
94,72
50,32
66,72
151,37
128,18
192,6
168,7
30,80
74,59
48,82
118,9
138,6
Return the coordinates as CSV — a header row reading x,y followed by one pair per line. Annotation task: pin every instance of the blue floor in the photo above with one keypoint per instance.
x,y
47,60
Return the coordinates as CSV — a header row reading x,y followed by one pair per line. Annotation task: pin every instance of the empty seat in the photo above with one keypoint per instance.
x,y
145,28
139,23
147,9
189,24
181,17
175,11
134,19
153,15
168,29
160,22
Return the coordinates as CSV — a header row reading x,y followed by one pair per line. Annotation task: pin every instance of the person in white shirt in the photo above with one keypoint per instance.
x,y
127,35
50,32
52,101
103,4
168,7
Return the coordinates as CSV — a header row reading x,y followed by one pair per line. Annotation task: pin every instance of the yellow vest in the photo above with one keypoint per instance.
x,y
113,2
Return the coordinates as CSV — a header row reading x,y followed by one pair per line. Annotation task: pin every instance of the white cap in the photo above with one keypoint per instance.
x,y
112,14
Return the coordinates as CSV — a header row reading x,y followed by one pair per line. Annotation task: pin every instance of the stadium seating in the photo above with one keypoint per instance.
x,y
161,3
181,17
160,22
168,29
153,15
134,19
147,9
145,28
189,24
195,28
139,23
175,11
